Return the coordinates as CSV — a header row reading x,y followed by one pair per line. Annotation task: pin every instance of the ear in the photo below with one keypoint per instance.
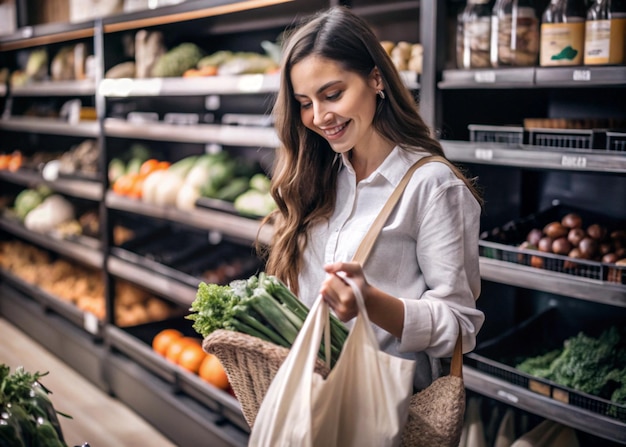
x,y
375,79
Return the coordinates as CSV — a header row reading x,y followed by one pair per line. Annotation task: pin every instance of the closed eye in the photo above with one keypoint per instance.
x,y
334,96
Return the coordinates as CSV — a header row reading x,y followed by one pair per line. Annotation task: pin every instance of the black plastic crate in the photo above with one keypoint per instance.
x,y
581,139
216,399
503,243
165,246
508,135
227,262
616,141
536,336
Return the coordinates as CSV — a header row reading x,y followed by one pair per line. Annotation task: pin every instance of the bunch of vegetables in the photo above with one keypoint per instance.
x,y
261,306
27,416
593,365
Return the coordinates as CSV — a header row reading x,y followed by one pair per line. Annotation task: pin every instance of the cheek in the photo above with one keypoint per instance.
x,y
306,115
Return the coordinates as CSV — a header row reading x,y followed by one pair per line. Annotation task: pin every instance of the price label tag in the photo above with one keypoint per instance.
x,y
90,323
485,76
213,148
508,396
215,237
212,102
483,154
574,161
581,75
26,32
250,83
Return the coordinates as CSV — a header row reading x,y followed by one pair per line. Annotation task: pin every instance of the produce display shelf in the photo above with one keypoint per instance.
x,y
59,336
505,243
533,77
56,88
543,406
189,260
75,187
50,126
85,321
205,219
200,133
552,282
547,331
87,254
213,85
135,342
180,418
177,292
532,157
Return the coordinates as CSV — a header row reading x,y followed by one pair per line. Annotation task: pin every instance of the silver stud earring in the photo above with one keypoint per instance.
x,y
381,94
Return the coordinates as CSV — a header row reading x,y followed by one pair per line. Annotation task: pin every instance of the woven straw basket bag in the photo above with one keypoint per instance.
x,y
435,413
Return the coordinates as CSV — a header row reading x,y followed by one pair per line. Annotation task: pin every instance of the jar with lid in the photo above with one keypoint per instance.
x,y
514,33
563,33
605,32
474,34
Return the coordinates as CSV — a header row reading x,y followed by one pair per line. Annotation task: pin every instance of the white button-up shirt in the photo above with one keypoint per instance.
x,y
426,254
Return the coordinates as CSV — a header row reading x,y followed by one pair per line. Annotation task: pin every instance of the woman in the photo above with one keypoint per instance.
x,y
349,130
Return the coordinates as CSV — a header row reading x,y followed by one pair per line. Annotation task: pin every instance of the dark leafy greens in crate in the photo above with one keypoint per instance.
x,y
563,353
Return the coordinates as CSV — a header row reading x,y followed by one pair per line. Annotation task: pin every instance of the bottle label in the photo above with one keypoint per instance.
x,y
562,43
604,41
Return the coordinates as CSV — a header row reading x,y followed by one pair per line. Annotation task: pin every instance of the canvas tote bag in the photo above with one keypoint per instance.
x,y
363,401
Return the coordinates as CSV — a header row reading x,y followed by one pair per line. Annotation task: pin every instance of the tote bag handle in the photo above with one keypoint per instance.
x,y
364,249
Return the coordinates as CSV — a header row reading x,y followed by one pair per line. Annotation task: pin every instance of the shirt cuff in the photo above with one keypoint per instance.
x,y
417,328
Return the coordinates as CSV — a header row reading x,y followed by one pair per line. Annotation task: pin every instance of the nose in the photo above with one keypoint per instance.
x,y
321,114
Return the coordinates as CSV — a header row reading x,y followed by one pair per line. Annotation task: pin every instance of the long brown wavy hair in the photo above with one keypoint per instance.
x,y
305,175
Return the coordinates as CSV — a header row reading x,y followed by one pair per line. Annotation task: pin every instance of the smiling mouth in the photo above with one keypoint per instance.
x,y
335,130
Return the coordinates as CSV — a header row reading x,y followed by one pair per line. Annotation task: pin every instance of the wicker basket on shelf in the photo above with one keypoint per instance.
x,y
252,363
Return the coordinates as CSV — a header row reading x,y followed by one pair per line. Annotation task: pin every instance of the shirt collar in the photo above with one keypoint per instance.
x,y
393,167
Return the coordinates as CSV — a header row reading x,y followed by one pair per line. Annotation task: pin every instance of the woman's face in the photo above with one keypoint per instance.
x,y
337,104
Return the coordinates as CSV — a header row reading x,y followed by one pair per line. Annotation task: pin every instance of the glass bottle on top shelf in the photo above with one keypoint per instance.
x,y
563,33
605,33
474,34
514,33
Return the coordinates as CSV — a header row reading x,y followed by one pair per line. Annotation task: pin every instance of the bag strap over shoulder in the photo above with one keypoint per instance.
x,y
364,249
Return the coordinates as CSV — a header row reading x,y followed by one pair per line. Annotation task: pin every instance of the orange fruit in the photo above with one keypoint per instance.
x,y
148,166
212,371
191,357
177,346
164,339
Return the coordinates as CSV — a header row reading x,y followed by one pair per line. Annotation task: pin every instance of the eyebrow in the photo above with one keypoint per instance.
x,y
321,89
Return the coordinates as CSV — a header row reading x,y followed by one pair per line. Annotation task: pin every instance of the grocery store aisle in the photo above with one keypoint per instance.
x,y
98,419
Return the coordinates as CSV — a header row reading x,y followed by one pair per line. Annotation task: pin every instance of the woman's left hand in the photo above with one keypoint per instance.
x,y
338,294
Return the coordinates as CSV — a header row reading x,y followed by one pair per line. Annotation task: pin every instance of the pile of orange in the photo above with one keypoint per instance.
x,y
12,161
187,353
131,183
